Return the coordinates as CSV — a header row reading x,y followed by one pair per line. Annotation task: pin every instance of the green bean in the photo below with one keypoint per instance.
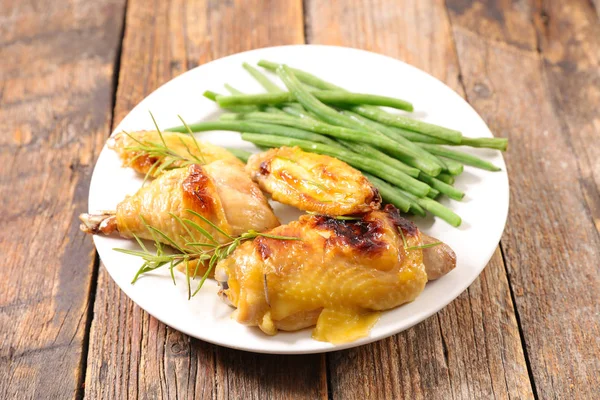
x,y
326,96
297,112
374,112
329,115
358,148
270,109
416,209
310,102
446,178
433,193
269,87
396,132
209,94
231,89
454,167
410,124
305,77
442,187
243,155
262,79
436,209
381,129
404,154
364,148
390,194
487,143
363,163
230,117
464,158
256,127
375,154
415,136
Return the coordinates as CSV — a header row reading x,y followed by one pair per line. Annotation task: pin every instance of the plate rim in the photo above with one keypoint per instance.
x,y
363,341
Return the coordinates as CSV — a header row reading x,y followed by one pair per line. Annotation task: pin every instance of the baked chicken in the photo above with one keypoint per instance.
x,y
338,275
220,191
144,151
313,182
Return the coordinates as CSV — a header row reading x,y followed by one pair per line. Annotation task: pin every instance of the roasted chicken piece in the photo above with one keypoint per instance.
x,y
338,275
145,151
313,182
221,191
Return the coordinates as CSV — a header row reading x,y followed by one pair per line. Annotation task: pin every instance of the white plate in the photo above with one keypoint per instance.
x,y
483,210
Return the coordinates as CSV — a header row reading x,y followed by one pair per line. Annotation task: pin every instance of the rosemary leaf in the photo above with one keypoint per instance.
x,y
277,237
403,238
189,232
137,239
193,138
232,247
187,278
197,244
158,129
167,238
338,217
200,229
172,273
423,246
203,218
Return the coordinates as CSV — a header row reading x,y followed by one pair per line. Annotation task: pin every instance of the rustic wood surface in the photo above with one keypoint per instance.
x,y
527,328
56,87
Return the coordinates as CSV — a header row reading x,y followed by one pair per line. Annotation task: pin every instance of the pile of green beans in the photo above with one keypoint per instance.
x,y
404,158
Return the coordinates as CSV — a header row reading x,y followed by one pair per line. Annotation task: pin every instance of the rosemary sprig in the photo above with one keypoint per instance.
x,y
338,217
198,252
193,138
158,129
423,246
166,157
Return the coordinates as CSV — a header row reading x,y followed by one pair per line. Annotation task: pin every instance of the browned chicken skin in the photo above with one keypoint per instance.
x,y
338,275
221,192
313,182
130,148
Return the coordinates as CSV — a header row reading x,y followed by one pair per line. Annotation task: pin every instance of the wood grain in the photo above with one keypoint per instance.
x,y
131,354
529,67
472,349
550,243
56,87
572,70
596,4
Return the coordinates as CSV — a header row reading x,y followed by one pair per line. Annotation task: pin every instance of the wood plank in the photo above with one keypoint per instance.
x,y
550,244
55,98
131,354
572,70
472,348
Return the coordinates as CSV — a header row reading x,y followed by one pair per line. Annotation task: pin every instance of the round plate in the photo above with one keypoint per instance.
x,y
205,316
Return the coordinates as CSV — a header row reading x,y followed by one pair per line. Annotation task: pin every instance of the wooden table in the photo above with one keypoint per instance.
x,y
528,327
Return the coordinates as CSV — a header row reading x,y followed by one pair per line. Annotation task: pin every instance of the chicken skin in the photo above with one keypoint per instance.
x,y
313,182
338,275
132,148
221,192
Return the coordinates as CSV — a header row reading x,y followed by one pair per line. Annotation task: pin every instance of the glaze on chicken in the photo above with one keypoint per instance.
x,y
338,275
221,192
130,148
313,182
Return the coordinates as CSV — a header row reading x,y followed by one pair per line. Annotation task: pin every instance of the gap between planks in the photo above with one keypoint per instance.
x,y
504,261
80,393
